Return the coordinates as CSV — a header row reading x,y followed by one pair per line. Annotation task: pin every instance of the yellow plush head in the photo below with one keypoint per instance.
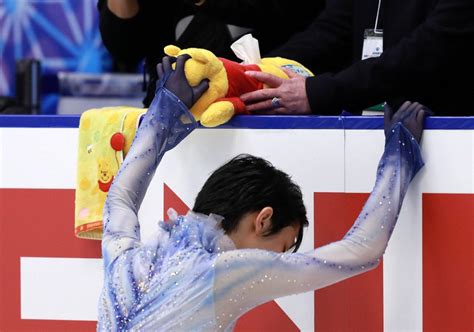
x,y
203,65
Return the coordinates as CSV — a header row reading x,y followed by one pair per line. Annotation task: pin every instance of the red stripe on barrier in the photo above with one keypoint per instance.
x,y
267,317
171,200
355,304
36,223
448,256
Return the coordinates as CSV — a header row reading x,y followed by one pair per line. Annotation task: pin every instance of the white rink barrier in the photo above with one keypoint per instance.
x,y
50,280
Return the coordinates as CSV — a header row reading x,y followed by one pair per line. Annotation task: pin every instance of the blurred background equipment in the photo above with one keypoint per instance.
x,y
63,34
28,73
81,91
27,82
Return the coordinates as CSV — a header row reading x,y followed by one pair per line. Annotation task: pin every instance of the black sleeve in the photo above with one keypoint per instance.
x,y
123,38
326,44
144,35
283,18
418,64
249,13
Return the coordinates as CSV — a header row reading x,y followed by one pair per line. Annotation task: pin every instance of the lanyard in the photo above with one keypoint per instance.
x,y
377,19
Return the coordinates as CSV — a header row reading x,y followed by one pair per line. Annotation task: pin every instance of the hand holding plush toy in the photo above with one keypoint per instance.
x,y
227,82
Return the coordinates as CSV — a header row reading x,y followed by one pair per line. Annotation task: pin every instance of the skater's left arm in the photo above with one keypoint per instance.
x,y
166,123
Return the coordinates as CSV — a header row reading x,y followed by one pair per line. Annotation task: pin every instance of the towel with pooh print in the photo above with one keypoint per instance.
x,y
105,136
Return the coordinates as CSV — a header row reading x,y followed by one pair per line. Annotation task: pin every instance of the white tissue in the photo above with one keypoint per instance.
x,y
246,49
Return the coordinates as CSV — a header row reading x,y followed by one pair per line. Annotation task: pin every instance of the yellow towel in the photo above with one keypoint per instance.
x,y
105,137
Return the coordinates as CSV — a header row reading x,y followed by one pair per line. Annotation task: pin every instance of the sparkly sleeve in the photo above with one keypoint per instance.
x,y
166,123
246,278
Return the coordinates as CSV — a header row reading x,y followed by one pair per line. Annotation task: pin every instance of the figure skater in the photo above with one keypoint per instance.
x,y
237,248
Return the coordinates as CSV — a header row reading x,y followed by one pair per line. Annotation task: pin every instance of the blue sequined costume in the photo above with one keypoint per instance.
x,y
190,277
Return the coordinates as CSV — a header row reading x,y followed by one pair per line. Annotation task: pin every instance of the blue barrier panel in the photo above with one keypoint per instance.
x,y
255,122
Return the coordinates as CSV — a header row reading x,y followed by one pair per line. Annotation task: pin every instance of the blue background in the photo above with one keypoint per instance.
x,y
63,34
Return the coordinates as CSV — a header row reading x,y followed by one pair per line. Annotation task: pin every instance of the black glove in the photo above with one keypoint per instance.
x,y
177,82
411,115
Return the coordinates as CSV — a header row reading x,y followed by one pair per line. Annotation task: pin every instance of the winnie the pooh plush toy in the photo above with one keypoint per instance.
x,y
227,82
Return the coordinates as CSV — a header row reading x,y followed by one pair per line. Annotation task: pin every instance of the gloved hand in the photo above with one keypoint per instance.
x,y
411,115
177,82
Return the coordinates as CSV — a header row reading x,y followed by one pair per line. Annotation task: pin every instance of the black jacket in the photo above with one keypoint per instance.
x,y
145,35
273,22
428,55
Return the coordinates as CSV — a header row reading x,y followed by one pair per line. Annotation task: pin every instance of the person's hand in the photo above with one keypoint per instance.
x,y
177,82
282,96
411,115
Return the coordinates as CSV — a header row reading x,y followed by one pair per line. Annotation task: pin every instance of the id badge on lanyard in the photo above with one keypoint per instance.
x,y
373,40
373,44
